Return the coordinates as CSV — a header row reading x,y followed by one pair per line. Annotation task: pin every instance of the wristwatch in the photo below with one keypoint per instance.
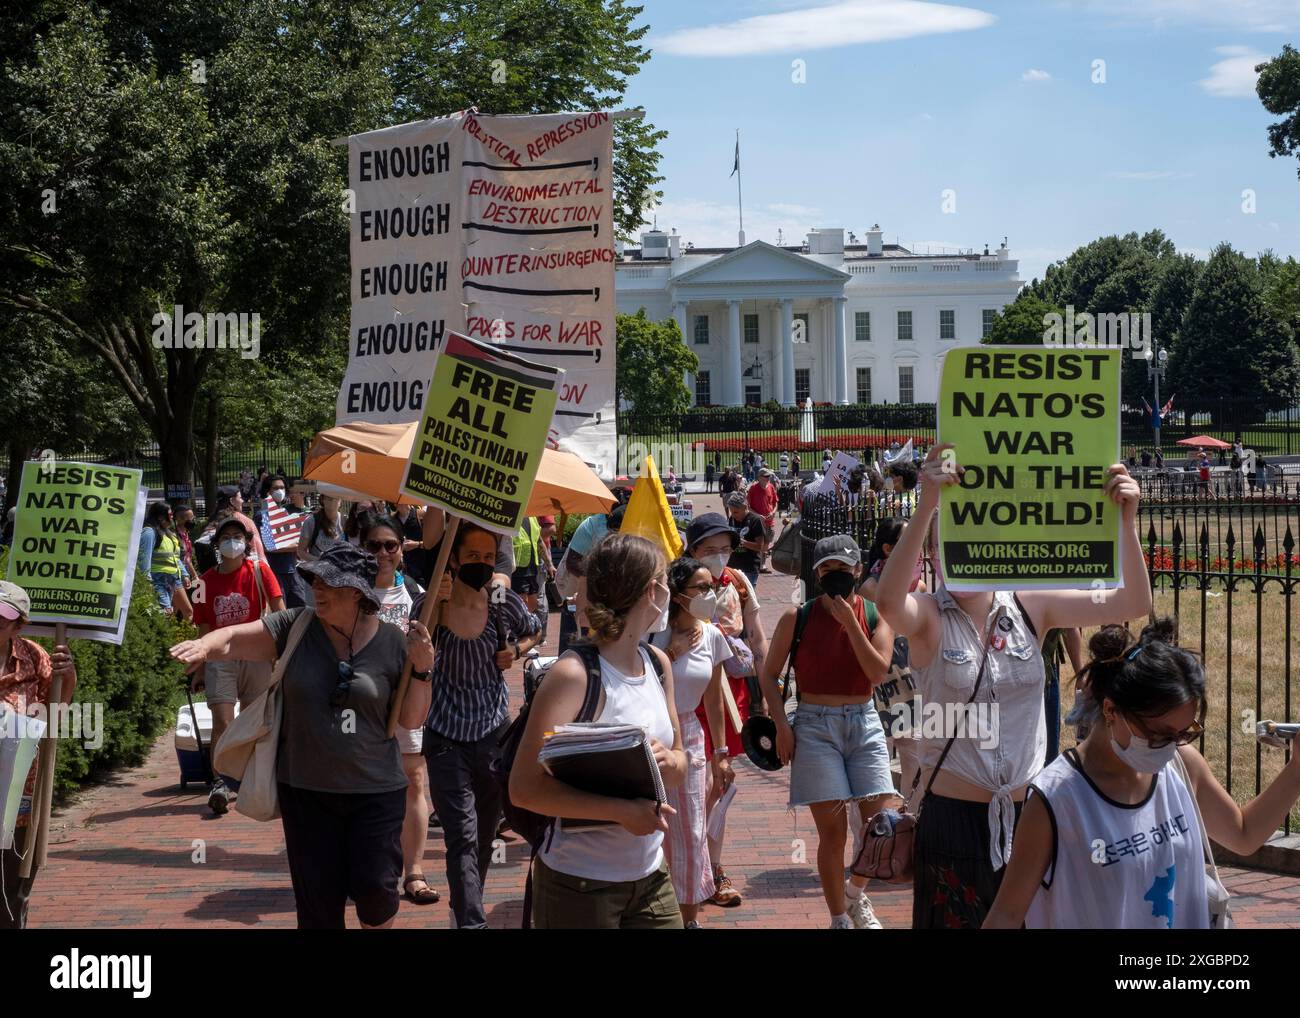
x,y
423,676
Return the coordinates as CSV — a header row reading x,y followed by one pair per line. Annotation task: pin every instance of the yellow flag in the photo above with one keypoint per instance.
x,y
648,514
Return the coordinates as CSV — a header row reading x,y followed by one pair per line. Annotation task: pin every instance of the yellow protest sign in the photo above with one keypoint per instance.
x,y
486,420
1036,430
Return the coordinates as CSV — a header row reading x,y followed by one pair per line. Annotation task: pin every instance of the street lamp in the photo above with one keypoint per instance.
x,y
1157,361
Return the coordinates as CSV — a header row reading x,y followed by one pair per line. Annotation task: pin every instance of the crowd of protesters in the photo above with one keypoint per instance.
x,y
678,647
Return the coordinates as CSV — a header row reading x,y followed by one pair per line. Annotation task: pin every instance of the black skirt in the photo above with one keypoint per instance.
x,y
955,881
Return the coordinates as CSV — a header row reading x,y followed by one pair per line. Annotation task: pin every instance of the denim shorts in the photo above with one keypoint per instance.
x,y
163,585
839,754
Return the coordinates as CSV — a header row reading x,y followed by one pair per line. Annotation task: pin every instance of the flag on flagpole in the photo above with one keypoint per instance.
x,y
648,515
736,169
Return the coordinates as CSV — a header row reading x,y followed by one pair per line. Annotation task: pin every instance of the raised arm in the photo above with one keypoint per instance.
x,y
1240,829
1063,609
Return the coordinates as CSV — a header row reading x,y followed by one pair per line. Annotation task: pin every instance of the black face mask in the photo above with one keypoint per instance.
x,y
838,583
475,574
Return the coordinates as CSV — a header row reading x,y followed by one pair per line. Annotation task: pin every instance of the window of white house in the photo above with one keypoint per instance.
x,y
802,332
986,322
802,384
751,328
702,395
947,324
862,326
906,388
904,325
864,385
701,329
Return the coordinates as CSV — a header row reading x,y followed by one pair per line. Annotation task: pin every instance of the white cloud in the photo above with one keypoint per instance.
x,y
1034,74
1234,76
1242,15
846,23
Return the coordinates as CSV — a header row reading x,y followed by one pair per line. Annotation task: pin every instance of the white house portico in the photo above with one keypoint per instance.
x,y
835,323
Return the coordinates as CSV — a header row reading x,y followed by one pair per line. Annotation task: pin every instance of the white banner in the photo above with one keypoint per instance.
x,y
538,269
498,227
406,246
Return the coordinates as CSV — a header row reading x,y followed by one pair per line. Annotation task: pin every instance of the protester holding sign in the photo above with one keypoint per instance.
x,y
969,650
234,593
835,745
284,560
482,632
614,876
26,676
160,557
341,789
384,538
1113,831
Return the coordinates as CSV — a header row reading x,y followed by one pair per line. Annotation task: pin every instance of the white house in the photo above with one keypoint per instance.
x,y
855,323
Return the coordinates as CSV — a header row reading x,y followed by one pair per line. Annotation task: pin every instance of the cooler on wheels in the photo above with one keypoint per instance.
x,y
195,764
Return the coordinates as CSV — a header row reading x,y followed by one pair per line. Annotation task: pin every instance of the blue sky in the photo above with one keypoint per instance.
x,y
995,101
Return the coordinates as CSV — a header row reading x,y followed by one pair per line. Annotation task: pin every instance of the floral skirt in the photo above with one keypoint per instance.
x,y
955,882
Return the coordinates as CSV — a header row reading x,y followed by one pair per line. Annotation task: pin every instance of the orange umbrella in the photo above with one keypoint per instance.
x,y
1204,442
370,459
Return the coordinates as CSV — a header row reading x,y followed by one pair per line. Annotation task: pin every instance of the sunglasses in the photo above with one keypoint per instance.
x,y
1187,736
375,547
340,695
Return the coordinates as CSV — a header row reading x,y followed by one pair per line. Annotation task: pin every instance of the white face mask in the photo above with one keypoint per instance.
x,y
661,623
232,547
278,494
703,605
715,564
1139,755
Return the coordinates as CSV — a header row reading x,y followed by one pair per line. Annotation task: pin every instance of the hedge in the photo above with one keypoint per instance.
x,y
138,684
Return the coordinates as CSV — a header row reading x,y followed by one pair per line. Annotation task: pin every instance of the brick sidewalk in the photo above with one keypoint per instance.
x,y
123,855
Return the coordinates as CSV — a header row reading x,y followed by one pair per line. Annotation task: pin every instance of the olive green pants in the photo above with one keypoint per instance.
x,y
563,902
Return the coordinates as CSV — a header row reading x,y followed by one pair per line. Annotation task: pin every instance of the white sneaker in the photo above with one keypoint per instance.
x,y
841,922
862,914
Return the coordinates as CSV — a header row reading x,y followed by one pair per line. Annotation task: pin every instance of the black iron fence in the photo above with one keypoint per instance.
x,y
1224,564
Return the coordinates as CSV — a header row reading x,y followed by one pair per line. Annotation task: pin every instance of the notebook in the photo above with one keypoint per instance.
x,y
603,758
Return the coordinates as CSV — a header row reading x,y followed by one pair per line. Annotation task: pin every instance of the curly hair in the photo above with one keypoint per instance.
x,y
1146,677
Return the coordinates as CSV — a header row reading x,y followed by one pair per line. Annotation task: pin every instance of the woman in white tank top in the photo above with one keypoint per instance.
x,y
611,877
1111,834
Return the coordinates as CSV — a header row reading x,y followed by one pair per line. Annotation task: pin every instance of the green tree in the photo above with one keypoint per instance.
x,y
1230,343
534,56
1023,322
652,357
164,154
1278,88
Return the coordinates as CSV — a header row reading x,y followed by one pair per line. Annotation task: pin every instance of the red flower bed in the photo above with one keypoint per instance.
x,y
850,441
1163,561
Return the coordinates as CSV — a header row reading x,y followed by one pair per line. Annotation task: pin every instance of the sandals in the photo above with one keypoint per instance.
x,y
428,896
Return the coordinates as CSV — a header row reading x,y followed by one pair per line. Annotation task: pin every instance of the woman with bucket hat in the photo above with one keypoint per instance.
x,y
342,791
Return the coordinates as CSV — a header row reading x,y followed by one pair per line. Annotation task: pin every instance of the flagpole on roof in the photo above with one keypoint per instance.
x,y
740,202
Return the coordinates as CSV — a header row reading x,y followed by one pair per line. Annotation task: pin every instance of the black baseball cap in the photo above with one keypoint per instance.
x,y
706,525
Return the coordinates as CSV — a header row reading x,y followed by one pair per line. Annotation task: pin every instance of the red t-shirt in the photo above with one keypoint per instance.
x,y
231,599
762,499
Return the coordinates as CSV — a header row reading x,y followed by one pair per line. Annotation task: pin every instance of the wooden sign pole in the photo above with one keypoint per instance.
x,y
38,824
430,613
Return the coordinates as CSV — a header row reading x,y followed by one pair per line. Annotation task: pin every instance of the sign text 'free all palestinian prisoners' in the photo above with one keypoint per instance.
x,y
76,534
481,438
1036,431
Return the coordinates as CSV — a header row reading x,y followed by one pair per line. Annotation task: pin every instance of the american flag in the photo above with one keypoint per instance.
x,y
280,530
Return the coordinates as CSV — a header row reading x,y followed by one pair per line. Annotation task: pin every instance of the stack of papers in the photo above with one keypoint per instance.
x,y
603,758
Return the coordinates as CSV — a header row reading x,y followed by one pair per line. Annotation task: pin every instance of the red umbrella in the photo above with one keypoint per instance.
x,y
1204,442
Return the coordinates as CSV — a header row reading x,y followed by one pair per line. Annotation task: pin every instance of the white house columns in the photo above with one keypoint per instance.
x,y
841,351
733,393
787,352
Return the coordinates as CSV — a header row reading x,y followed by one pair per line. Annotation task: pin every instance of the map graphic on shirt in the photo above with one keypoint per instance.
x,y
1161,896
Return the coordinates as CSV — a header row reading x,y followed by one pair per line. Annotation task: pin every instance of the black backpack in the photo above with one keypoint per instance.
x,y
533,827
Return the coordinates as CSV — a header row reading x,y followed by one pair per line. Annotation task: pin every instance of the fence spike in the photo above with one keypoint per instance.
x,y
1204,542
1288,542
1177,540
1231,539
1151,535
